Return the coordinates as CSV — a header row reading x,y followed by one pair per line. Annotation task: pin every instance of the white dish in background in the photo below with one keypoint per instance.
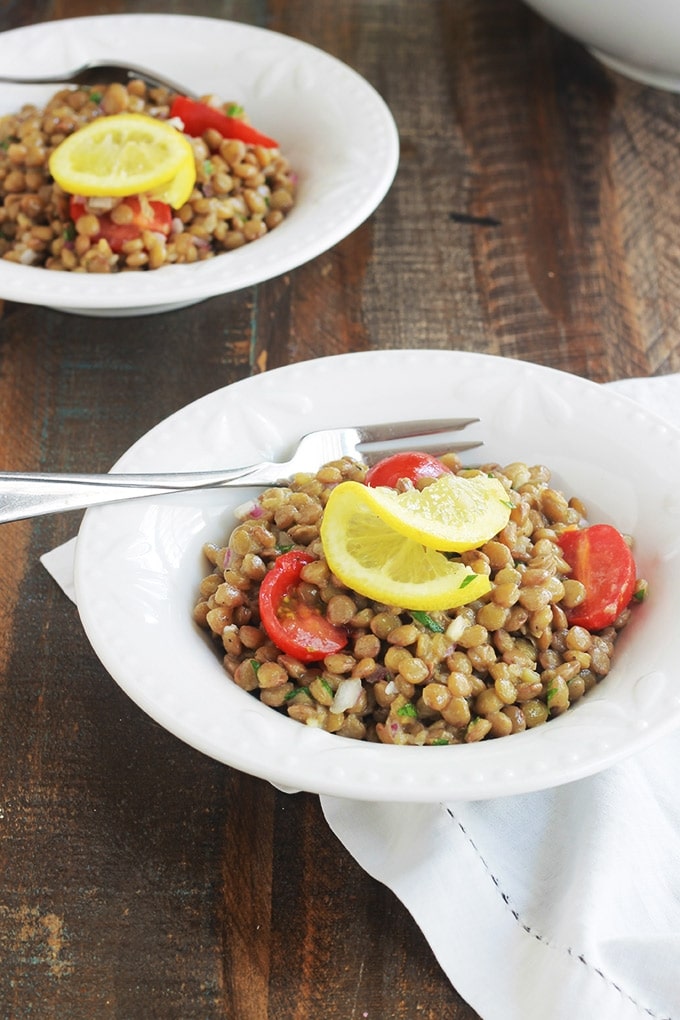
x,y
138,566
639,40
334,128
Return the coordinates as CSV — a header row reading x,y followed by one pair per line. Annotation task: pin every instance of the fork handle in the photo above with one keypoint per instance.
x,y
27,494
54,79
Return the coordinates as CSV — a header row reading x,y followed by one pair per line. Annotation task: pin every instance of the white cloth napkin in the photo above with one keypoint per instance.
x,y
557,905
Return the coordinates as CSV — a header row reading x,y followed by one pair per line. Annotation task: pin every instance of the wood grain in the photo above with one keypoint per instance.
x,y
535,214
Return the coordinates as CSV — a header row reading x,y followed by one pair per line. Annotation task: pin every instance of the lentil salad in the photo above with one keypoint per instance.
x,y
242,190
497,666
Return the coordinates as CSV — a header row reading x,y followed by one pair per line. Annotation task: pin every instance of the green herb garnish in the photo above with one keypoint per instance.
x,y
408,709
298,690
234,110
427,621
96,97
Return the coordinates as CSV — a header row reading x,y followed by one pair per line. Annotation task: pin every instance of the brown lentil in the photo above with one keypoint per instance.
x,y
241,192
501,665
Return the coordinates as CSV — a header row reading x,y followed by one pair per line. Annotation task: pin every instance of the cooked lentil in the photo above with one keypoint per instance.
x,y
242,191
486,670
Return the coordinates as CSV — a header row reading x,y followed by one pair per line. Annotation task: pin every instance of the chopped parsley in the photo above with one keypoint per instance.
x,y
234,110
408,709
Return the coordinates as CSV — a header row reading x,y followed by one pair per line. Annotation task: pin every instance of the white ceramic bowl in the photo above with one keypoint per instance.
x,y
139,564
638,38
334,128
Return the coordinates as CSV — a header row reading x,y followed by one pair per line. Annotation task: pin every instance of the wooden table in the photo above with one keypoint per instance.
x,y
535,215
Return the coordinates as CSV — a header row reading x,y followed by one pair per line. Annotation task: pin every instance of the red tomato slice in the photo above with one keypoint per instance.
x,y
414,466
198,117
156,216
295,627
602,561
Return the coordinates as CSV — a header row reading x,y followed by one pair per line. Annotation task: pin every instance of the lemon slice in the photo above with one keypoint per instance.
x,y
178,189
125,154
453,513
370,556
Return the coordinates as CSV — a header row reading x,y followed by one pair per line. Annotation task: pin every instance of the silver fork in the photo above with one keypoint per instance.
x,y
29,494
99,72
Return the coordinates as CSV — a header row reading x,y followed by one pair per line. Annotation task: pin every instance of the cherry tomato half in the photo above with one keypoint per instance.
x,y
296,628
414,466
602,561
156,216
